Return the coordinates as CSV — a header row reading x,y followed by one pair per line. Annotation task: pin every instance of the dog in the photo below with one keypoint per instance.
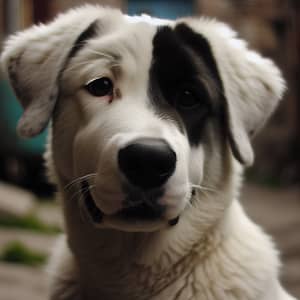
x,y
151,128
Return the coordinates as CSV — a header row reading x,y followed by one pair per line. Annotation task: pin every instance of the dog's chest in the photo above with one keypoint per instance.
x,y
144,288
182,280
201,275
135,282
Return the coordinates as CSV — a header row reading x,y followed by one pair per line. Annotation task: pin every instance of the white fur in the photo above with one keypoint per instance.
x,y
215,252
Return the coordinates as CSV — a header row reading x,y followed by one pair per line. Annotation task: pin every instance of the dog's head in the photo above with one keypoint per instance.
x,y
144,111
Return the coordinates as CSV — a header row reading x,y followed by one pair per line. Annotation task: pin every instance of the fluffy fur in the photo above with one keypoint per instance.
x,y
215,251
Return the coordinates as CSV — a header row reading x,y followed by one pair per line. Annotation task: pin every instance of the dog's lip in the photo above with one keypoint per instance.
x,y
93,210
120,217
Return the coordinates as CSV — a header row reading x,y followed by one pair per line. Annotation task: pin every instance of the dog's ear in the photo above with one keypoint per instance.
x,y
251,85
34,60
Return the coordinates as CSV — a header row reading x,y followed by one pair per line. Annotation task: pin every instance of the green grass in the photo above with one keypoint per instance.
x,y
16,252
29,222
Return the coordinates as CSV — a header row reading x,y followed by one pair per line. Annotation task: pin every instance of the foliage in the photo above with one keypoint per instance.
x,y
28,222
16,252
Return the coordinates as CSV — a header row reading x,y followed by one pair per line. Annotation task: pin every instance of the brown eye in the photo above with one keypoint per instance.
x,y
100,87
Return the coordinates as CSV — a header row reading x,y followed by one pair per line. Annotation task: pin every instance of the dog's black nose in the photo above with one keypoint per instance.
x,y
147,163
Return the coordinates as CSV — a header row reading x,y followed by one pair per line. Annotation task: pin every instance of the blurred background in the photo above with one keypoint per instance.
x,y
30,219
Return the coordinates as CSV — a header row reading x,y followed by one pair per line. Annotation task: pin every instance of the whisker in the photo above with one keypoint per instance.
x,y
82,212
107,56
70,68
79,179
190,204
78,193
101,54
203,188
81,205
205,193
82,191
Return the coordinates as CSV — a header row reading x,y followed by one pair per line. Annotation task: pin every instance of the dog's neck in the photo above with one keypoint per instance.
x,y
170,263
119,265
121,260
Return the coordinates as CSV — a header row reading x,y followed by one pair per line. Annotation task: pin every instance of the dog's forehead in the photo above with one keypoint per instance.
x,y
155,59
142,38
127,32
124,46
142,47
123,39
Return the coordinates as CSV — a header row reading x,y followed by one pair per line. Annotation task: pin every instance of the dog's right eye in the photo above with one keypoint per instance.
x,y
100,87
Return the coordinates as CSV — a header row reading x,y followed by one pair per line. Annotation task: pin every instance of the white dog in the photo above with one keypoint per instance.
x,y
151,128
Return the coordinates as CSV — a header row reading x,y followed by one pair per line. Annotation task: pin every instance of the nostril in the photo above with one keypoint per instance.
x,y
147,163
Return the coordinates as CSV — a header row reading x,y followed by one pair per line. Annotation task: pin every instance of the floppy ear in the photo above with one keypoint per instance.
x,y
34,60
251,84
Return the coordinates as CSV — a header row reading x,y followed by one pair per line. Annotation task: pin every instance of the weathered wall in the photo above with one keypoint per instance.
x,y
61,5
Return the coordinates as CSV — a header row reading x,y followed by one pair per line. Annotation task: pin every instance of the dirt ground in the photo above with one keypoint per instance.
x,y
278,211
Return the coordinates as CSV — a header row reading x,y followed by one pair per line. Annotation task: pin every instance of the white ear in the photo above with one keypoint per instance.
x,y
253,85
35,58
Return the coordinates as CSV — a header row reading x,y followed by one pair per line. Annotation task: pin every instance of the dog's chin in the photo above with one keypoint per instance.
x,y
133,225
132,219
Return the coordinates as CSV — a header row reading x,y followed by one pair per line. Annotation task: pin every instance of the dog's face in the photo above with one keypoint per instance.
x,y
145,112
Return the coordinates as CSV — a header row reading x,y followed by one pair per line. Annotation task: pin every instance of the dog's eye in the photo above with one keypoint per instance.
x,y
100,87
187,99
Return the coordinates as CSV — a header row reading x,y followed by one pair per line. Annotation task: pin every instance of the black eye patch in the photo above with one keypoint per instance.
x,y
177,77
201,47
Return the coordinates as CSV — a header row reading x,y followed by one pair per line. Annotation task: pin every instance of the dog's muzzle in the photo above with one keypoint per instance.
x,y
145,165
143,211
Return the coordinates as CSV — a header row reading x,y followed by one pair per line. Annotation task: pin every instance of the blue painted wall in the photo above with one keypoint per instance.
x,y
10,112
170,9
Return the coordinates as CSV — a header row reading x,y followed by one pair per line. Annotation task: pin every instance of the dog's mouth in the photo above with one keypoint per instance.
x,y
129,217
94,212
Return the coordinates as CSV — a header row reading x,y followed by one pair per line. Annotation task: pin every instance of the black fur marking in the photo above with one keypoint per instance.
x,y
182,59
202,49
80,42
200,45
90,32
87,34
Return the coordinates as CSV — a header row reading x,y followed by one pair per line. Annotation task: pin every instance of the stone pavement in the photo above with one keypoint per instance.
x,y
278,211
20,282
15,201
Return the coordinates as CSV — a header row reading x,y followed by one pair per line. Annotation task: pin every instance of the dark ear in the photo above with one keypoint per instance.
x,y
35,58
252,86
